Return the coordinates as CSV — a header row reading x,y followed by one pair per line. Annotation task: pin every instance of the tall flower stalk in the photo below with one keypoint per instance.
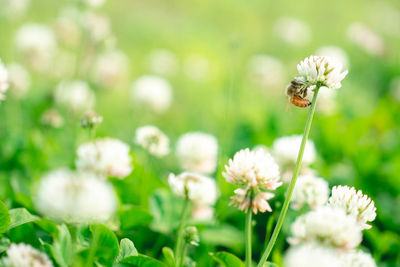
x,y
248,232
290,189
179,250
314,72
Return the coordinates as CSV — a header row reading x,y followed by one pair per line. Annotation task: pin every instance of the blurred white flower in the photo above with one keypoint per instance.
x,y
202,212
285,150
37,45
14,8
365,38
292,31
95,3
395,88
75,197
353,203
335,53
97,26
75,95
67,26
163,62
196,67
152,91
357,258
23,255
153,140
266,70
111,69
253,169
311,255
197,152
4,81
20,80
200,189
322,71
310,190
106,157
327,226
52,118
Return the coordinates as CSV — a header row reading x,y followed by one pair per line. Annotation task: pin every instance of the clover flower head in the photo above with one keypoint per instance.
x,y
310,190
354,203
23,255
153,140
321,71
327,226
311,255
357,258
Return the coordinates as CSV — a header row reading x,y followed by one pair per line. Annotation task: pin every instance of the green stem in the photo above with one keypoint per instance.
x,y
93,247
289,191
248,227
179,256
182,259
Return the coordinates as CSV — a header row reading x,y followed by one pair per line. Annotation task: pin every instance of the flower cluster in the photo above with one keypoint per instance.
x,y
75,95
105,157
153,140
310,190
23,255
321,71
197,152
255,172
75,197
354,203
3,80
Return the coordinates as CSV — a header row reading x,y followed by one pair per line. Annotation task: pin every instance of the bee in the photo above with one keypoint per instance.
x,y
296,92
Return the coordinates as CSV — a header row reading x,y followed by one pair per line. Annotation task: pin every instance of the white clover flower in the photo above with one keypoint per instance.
x,y
196,67
285,150
37,45
4,83
328,226
76,95
357,258
163,62
292,31
106,157
23,255
321,71
311,255
14,8
153,140
111,68
244,200
202,213
67,26
256,169
98,26
266,70
200,189
197,152
362,36
20,80
334,52
95,3
310,190
64,195
152,91
353,203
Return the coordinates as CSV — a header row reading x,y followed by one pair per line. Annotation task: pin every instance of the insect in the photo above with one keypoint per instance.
x,y
296,92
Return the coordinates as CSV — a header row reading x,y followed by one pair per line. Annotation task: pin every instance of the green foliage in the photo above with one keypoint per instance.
x,y
126,249
134,216
104,245
169,257
62,248
4,218
227,259
20,216
142,261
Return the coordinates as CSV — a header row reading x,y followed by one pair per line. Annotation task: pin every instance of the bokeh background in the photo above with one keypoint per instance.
x,y
228,63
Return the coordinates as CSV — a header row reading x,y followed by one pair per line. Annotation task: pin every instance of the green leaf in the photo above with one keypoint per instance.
x,y
134,216
169,256
106,244
143,261
126,249
270,264
4,218
227,259
20,216
222,235
62,248
4,244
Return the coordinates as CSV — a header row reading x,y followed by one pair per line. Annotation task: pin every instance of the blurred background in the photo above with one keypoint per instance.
x,y
227,64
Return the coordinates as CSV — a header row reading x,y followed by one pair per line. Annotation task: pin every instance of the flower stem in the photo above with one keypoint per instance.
x,y
290,189
179,246
248,227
